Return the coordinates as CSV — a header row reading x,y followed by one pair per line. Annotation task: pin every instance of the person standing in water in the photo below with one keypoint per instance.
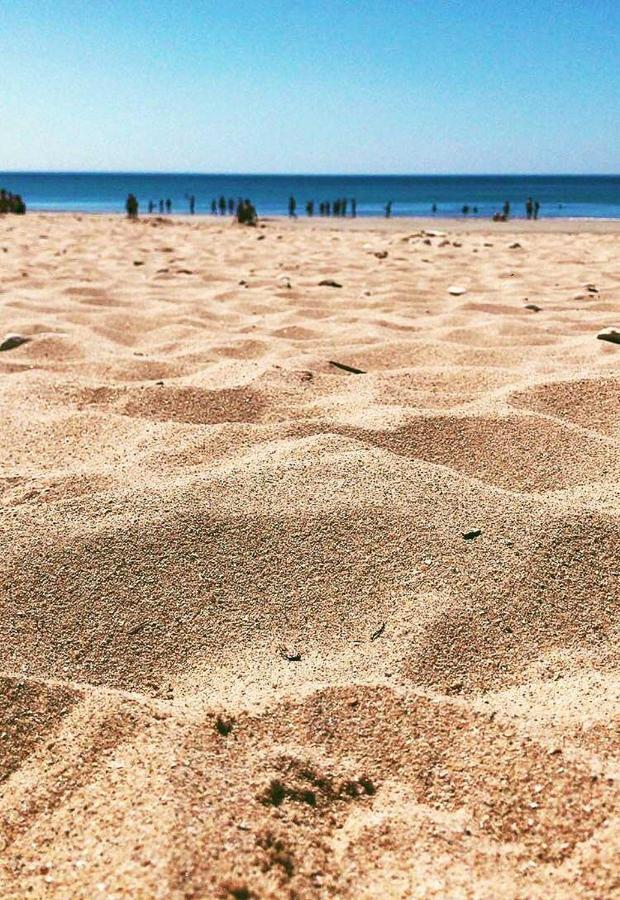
x,y
192,205
536,209
292,206
388,209
168,205
353,208
506,209
529,208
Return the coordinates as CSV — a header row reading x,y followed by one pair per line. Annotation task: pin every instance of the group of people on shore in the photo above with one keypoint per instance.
x,y
532,209
11,203
245,212
339,207
242,209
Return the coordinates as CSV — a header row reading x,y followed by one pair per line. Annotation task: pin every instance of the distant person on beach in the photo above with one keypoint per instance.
x,y
214,207
506,210
388,209
192,205
292,206
131,205
11,203
434,208
168,205
222,205
246,213
465,209
151,206
328,209
161,206
344,206
529,207
310,208
536,208
353,208
336,207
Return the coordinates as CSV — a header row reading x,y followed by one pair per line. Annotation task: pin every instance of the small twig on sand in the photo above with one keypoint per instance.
x,y
378,632
346,368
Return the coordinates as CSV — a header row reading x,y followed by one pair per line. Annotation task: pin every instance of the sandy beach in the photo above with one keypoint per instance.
x,y
271,627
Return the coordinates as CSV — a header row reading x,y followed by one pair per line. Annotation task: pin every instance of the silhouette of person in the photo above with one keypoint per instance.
x,y
529,207
336,207
310,207
388,209
192,205
434,208
161,206
328,209
214,207
246,213
168,205
151,206
465,209
344,206
353,208
131,205
506,209
222,206
292,206
536,209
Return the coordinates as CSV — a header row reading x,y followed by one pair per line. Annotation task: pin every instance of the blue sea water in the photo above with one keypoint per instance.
x,y
593,196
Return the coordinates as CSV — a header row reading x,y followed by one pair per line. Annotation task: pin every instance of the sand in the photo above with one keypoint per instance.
x,y
271,628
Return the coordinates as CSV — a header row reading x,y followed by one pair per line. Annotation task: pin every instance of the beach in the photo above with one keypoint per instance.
x,y
311,562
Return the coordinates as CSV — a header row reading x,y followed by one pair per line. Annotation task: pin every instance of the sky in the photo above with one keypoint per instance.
x,y
311,86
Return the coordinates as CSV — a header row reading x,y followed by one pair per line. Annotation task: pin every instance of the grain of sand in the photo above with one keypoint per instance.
x,y
246,647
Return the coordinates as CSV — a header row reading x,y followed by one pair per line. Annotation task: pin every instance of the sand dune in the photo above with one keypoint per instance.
x,y
270,628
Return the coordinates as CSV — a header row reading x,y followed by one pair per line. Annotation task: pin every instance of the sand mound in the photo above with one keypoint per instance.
x,y
274,628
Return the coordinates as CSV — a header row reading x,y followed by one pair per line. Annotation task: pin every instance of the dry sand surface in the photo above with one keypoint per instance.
x,y
246,648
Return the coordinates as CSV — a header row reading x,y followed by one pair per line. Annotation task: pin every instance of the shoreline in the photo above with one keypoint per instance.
x,y
375,223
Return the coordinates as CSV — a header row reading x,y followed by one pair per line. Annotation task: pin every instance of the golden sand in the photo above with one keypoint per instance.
x,y
272,628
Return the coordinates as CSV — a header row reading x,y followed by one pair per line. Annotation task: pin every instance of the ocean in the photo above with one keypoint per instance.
x,y
591,196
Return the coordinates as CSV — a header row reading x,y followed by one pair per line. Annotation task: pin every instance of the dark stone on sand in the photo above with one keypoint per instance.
x,y
12,341
612,336
533,307
473,534
329,282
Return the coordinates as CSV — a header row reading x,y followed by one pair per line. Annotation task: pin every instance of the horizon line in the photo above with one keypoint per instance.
x,y
313,174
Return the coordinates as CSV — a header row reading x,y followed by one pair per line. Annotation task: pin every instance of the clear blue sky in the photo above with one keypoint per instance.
x,y
402,86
